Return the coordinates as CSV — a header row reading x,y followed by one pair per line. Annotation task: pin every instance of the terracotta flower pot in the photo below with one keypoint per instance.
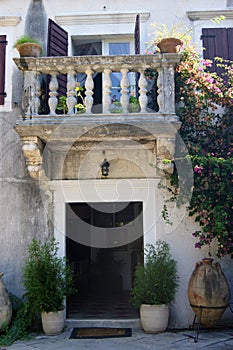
x,y
170,45
208,292
29,50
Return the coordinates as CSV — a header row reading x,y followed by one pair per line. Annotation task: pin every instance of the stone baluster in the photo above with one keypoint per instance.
x,y
53,87
124,90
169,89
89,85
71,93
142,83
107,90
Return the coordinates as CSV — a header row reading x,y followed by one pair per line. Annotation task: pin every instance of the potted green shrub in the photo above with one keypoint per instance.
x,y
47,280
28,47
154,287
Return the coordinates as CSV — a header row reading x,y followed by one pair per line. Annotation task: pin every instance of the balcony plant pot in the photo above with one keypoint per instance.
x,y
53,322
29,50
208,292
28,47
154,318
154,287
170,45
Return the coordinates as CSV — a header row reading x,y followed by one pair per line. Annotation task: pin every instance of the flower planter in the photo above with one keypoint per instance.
x,y
29,50
170,45
154,318
53,322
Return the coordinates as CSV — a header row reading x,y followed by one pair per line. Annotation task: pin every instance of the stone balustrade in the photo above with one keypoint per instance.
x,y
34,68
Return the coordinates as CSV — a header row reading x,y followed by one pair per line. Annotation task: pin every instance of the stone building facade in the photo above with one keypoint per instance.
x,y
52,178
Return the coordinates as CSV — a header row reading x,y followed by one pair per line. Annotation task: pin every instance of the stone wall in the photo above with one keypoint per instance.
x,y
23,215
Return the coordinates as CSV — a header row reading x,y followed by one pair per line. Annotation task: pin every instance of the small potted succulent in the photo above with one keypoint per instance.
x,y
28,47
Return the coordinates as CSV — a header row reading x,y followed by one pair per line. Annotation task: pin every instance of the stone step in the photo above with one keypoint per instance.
x,y
127,323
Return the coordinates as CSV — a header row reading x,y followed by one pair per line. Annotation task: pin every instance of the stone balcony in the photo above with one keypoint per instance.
x,y
72,132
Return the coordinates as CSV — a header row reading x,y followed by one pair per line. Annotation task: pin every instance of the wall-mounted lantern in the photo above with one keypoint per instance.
x,y
105,167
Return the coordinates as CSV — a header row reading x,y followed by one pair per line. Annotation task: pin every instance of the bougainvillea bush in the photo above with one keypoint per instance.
x,y
204,104
205,107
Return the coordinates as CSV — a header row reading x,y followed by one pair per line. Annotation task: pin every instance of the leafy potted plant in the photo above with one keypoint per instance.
x,y
28,47
154,287
47,279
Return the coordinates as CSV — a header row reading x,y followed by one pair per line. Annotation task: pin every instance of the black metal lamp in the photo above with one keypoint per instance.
x,y
105,167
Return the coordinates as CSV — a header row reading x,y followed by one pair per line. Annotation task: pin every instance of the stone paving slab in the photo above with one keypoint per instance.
x,y
183,340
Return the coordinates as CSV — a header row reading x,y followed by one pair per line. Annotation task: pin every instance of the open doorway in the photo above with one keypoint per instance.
x,y
104,244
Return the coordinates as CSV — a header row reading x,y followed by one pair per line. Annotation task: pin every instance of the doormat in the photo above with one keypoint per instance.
x,y
100,332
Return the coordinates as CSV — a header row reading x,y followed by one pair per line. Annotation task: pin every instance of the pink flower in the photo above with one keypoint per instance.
x,y
198,169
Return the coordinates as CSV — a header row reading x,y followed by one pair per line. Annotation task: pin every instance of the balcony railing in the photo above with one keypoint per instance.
x,y
35,68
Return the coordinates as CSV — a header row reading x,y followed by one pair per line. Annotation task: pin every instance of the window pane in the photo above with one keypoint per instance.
x,y
119,49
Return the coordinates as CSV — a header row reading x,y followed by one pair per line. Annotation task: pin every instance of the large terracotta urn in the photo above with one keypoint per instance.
x,y
208,292
5,305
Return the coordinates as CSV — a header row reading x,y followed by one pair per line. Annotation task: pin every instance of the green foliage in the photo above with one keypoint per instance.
x,y
80,105
47,277
156,282
26,39
62,106
134,105
21,324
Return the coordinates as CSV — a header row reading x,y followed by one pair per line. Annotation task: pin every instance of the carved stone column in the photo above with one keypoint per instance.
x,y
160,98
169,88
32,151
31,93
166,89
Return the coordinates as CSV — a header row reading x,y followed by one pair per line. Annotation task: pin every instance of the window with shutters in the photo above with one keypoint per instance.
x,y
3,43
217,42
58,46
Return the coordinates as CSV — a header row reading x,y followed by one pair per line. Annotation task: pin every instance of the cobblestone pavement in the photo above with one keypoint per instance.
x,y
210,340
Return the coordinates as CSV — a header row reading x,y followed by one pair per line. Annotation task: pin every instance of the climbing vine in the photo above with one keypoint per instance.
x,y
204,104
